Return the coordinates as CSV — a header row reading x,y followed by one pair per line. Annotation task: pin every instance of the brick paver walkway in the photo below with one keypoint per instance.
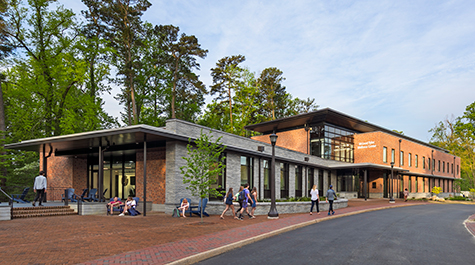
x,y
470,224
166,253
155,239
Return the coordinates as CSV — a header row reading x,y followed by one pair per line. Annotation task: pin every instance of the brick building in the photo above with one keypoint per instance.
x,y
322,148
371,153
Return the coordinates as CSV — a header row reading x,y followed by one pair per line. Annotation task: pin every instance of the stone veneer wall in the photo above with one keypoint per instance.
x,y
156,174
215,208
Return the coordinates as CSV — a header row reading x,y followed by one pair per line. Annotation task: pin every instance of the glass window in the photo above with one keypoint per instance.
x,y
246,171
443,166
331,142
424,162
310,180
433,164
385,154
438,168
298,181
284,180
401,157
266,166
416,161
392,155
409,159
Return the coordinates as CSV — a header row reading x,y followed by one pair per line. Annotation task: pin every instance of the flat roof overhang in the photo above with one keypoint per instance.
x,y
368,166
330,116
428,175
117,139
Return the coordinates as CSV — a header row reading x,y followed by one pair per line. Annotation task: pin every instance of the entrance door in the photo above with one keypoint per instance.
x,y
93,181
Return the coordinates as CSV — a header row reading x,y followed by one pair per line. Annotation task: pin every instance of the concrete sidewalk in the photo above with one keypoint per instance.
x,y
202,247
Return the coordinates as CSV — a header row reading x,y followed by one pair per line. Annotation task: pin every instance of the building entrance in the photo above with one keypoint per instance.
x,y
118,176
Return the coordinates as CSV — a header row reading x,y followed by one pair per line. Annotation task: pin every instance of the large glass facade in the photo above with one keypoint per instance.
x,y
332,142
118,176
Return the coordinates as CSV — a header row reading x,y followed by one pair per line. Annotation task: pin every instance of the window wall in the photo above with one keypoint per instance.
x,y
266,166
284,180
118,175
310,180
247,171
298,181
220,184
332,142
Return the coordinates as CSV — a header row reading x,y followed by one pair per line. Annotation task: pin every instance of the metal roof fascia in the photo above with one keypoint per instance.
x,y
97,134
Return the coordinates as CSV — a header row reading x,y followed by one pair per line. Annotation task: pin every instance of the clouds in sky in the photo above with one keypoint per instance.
x,y
402,65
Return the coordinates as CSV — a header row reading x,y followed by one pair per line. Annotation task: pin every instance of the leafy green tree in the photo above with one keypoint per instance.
x,y
183,51
5,49
122,24
246,103
226,78
5,44
203,164
46,92
457,136
274,97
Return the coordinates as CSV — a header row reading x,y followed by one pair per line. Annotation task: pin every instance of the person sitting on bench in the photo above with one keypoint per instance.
x,y
184,206
130,203
114,203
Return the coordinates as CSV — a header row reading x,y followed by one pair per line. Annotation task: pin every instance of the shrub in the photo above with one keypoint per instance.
x,y
457,198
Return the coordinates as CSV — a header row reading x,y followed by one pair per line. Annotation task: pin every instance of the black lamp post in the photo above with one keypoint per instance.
x,y
273,214
391,198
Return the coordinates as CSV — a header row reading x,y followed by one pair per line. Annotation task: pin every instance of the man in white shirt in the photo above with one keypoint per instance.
x,y
39,187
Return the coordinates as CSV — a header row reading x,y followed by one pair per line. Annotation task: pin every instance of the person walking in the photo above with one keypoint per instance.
x,y
239,199
229,203
406,193
331,195
315,199
254,201
39,187
245,194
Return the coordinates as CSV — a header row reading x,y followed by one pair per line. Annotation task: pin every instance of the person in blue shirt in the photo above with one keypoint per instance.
x,y
244,202
331,195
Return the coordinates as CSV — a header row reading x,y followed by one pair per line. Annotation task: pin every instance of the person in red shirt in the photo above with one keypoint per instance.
x,y
114,203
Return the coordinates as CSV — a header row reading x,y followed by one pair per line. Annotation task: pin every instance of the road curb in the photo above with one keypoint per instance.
x,y
217,251
469,224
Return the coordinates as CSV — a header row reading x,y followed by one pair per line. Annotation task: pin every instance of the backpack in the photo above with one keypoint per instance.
x,y
133,212
242,195
176,213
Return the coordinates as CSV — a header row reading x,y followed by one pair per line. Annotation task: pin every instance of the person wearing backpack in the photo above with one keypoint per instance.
x,y
245,195
239,200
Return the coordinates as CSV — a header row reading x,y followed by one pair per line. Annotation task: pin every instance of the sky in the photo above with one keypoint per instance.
x,y
403,65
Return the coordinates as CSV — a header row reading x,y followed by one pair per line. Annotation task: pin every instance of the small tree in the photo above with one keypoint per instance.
x,y
203,163
436,190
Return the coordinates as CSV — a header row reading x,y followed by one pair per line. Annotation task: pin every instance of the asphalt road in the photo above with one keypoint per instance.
x,y
424,234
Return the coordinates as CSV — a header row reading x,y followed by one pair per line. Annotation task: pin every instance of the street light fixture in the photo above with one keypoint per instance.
x,y
391,198
273,214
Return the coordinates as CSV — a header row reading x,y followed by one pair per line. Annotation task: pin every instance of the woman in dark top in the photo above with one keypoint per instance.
x,y
229,203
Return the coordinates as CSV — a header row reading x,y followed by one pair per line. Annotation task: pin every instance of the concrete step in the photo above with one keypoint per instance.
x,y
30,212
